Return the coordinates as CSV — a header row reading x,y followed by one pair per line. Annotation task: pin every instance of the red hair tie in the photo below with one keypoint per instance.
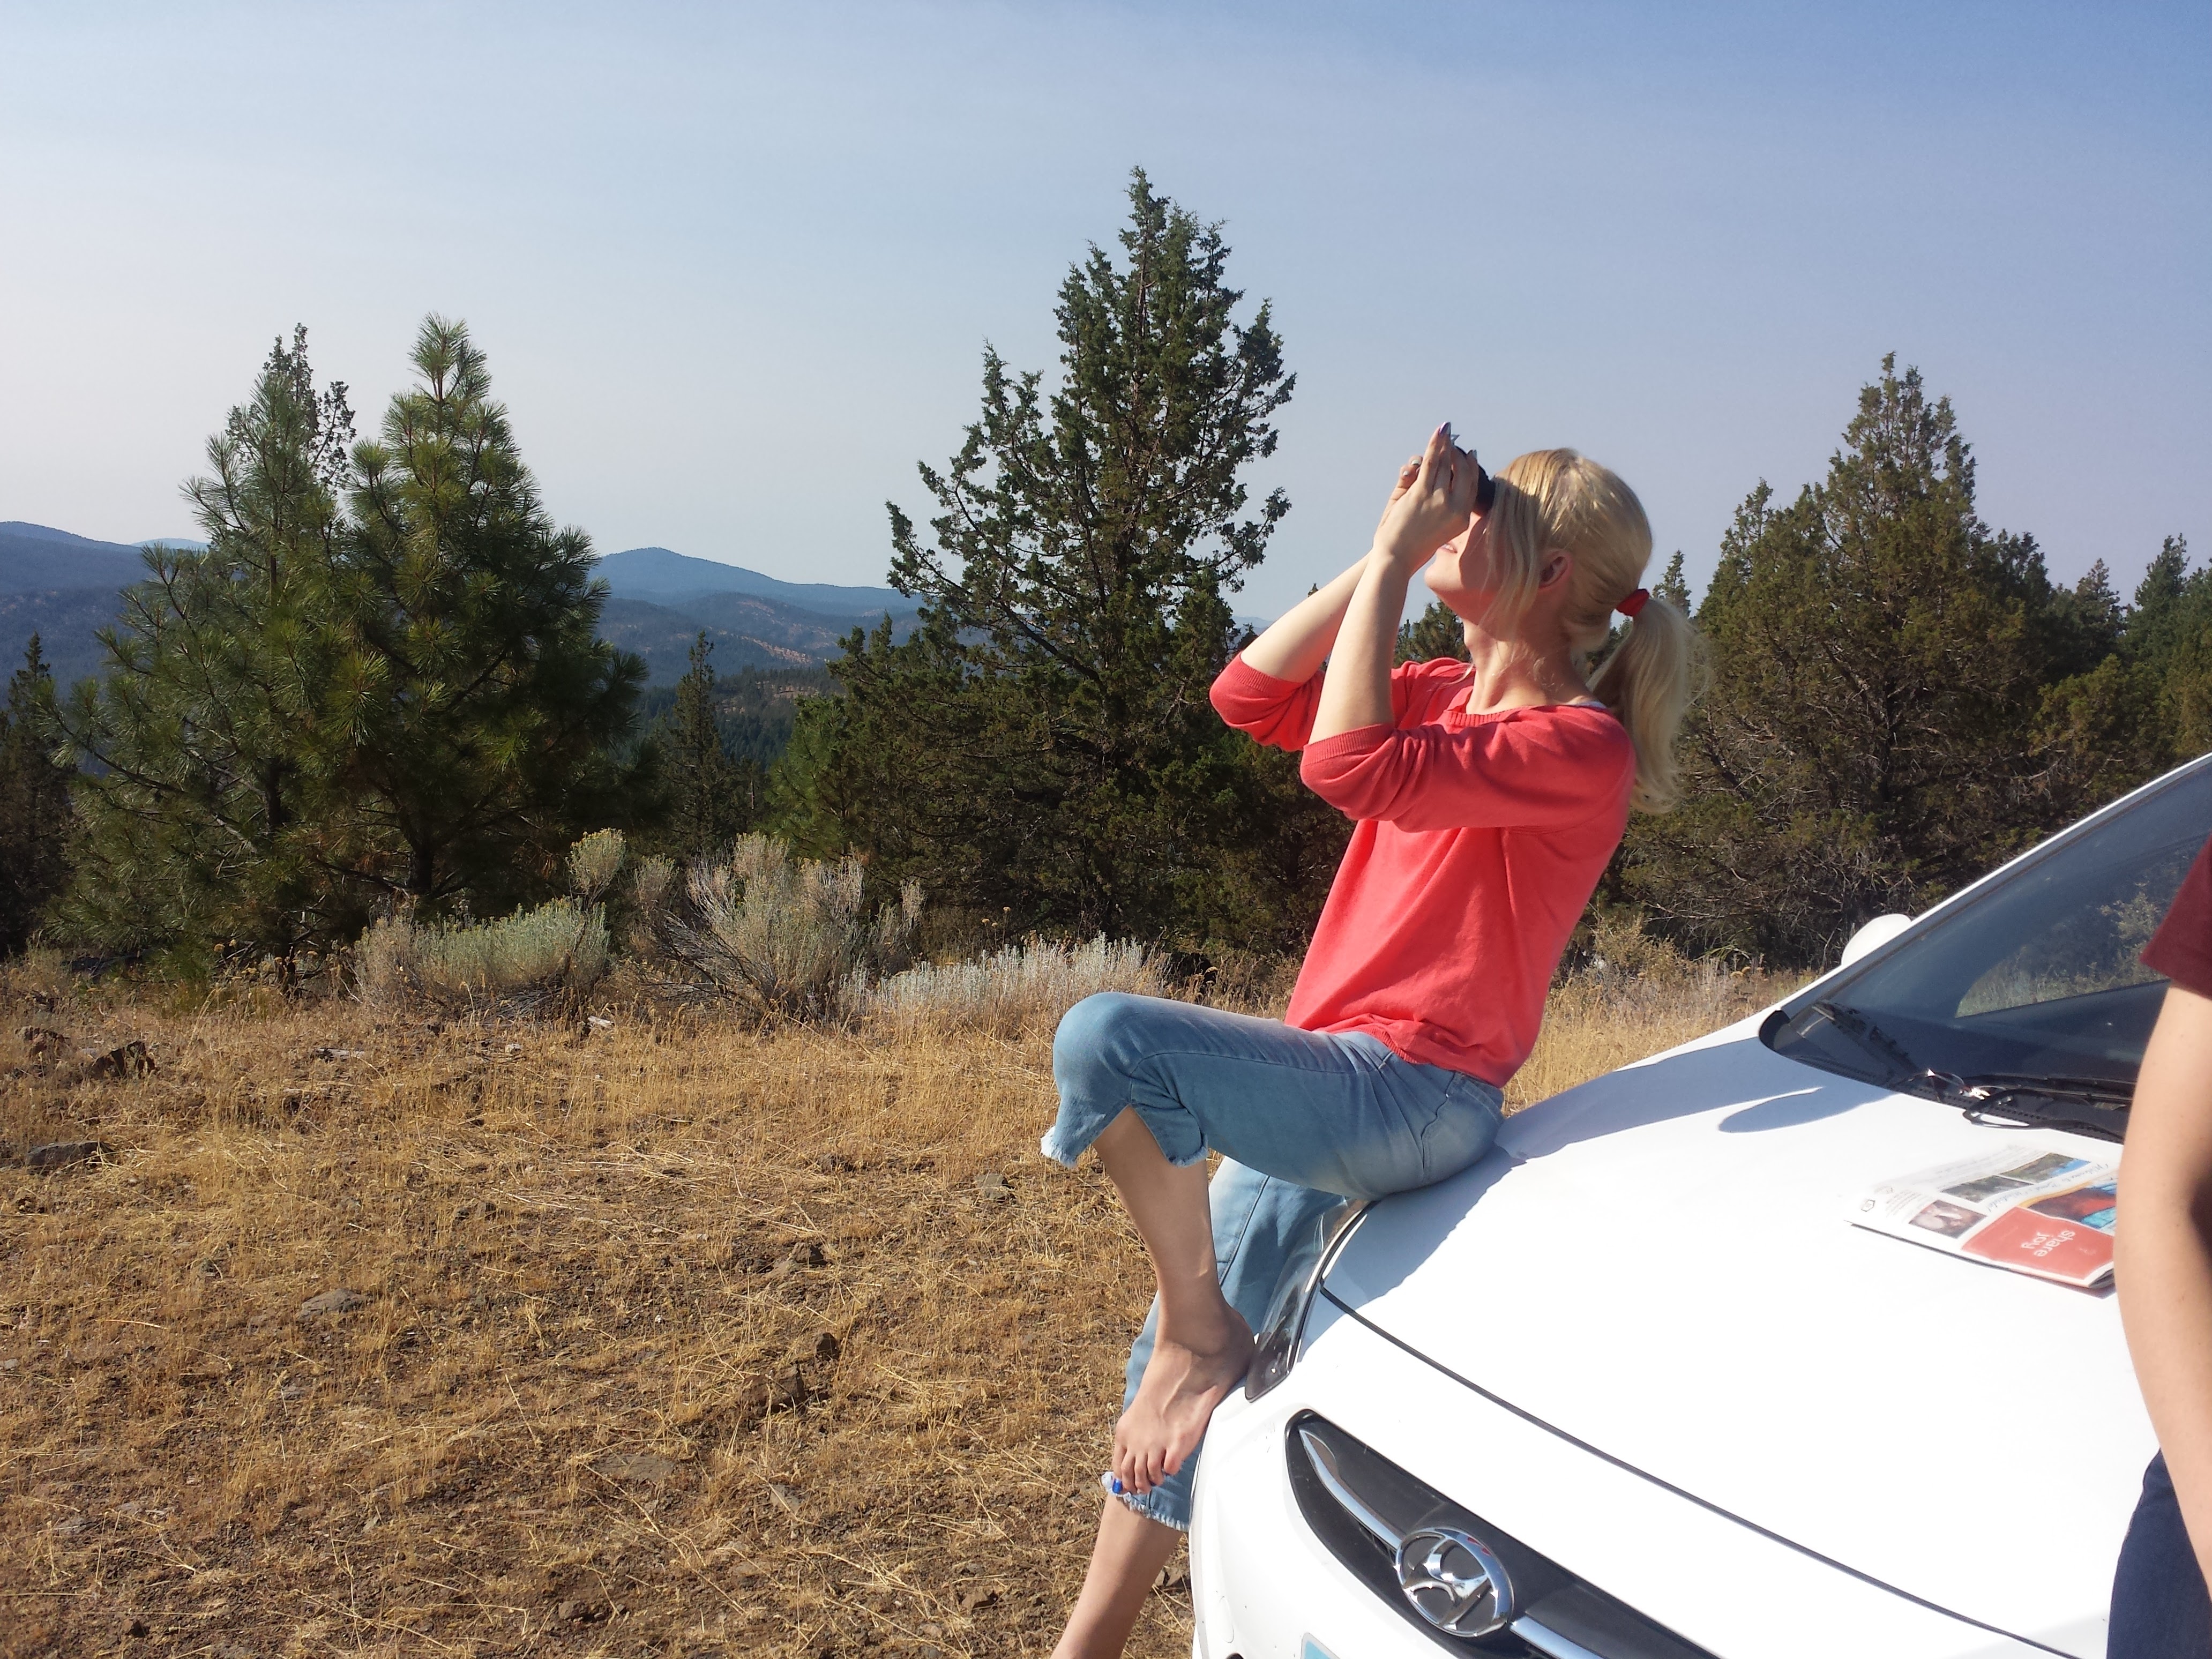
x,y
1634,603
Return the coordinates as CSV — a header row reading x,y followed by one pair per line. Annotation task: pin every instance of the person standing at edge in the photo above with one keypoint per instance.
x,y
2162,1252
1488,797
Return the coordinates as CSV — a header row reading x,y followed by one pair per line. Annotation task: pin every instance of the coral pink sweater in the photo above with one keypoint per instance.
x,y
1480,838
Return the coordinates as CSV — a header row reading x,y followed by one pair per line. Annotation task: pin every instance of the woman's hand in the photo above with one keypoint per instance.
x,y
1434,500
1406,474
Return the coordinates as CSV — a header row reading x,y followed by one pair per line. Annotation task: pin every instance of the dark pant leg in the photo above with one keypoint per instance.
x,y
2160,1607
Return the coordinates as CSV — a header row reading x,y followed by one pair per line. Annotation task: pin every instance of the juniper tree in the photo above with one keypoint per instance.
x,y
1869,739
1041,749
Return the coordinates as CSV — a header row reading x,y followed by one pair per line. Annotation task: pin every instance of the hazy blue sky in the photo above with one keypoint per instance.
x,y
734,266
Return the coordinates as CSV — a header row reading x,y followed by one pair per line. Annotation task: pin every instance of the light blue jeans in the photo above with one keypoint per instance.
x,y
1303,1120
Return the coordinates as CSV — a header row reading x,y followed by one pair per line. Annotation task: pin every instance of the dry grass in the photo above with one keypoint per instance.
x,y
676,1339
1595,1023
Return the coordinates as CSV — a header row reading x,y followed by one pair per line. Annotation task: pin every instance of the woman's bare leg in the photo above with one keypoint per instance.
x,y
1203,1345
1131,1550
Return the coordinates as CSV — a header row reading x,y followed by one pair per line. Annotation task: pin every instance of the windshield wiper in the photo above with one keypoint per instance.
x,y
2052,1086
2090,1106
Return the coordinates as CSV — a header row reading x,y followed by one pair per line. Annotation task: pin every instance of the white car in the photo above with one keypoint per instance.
x,y
1634,1386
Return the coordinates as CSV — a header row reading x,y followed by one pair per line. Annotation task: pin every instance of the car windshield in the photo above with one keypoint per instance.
x,y
2027,997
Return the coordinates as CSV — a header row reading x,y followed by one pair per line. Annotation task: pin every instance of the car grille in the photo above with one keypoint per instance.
x,y
1362,1506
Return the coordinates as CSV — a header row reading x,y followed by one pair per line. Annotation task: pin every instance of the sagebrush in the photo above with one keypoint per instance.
x,y
558,949
1018,990
789,938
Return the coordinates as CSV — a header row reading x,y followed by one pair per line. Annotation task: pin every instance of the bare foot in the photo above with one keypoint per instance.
x,y
1182,1386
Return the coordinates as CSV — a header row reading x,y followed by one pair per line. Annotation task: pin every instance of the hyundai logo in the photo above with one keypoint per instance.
x,y
1455,1582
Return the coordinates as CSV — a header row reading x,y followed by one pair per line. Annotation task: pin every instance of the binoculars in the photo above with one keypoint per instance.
x,y
1486,487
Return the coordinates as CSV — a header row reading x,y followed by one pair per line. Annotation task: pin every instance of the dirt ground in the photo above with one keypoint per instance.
x,y
362,1334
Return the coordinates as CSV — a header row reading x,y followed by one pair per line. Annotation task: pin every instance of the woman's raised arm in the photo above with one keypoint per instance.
x,y
1297,643
1432,503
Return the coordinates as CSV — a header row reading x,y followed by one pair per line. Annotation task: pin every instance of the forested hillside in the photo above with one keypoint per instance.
x,y
62,588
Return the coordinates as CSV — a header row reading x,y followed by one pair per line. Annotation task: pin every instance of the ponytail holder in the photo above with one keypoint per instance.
x,y
1634,603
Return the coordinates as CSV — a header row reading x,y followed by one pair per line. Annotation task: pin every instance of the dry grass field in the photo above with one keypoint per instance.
x,y
659,1337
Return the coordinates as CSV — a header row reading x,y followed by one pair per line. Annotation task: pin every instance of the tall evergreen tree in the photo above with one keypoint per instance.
x,y
1041,749
2101,727
379,681
34,806
1436,632
1869,738
713,797
482,712
2167,636
209,810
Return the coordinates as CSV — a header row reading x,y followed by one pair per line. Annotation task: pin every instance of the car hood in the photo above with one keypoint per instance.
x,y
1660,1263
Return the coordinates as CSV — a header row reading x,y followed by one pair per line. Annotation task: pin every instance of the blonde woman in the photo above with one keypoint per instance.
x,y
1488,797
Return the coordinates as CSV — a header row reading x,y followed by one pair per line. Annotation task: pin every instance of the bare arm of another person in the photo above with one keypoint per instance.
x,y
1427,512
2164,1250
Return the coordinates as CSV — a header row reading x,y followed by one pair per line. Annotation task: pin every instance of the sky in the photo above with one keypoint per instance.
x,y
734,267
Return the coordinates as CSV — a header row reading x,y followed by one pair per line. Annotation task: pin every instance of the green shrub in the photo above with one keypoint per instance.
x,y
530,958
791,938
594,862
650,881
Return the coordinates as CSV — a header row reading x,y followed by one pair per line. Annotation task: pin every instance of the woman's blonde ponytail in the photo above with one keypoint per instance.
x,y
1558,498
1648,680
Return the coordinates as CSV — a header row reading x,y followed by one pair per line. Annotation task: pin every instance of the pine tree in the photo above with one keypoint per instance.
x,y
34,805
2168,636
713,797
482,713
209,808
1041,751
380,683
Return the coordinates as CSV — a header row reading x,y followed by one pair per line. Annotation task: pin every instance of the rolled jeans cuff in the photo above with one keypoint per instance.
x,y
1076,1128
1169,1504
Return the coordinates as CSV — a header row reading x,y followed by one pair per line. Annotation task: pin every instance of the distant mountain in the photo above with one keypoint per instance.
x,y
63,588
660,574
753,619
663,636
36,560
67,623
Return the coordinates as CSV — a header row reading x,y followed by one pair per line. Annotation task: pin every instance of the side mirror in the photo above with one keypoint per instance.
x,y
1873,935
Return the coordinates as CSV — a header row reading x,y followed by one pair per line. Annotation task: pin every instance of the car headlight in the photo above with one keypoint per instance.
x,y
1277,1349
